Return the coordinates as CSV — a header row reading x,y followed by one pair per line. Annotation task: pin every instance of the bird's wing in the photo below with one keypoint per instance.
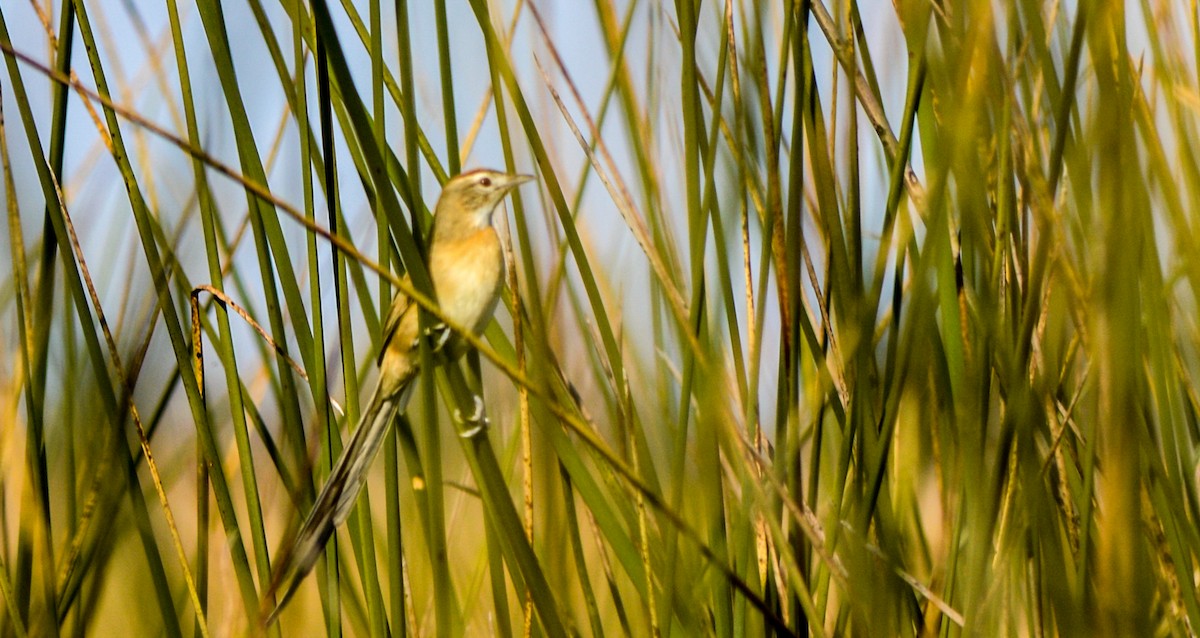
x,y
400,306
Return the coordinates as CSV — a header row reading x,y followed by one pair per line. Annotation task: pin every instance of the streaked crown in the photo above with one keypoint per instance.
x,y
475,194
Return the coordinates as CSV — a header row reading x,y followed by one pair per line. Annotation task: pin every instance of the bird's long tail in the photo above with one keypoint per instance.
x,y
336,499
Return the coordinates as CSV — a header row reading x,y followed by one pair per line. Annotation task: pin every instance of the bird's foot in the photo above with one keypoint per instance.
x,y
477,419
437,334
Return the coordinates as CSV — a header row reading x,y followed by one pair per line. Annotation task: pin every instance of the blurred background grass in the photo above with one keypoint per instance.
x,y
827,317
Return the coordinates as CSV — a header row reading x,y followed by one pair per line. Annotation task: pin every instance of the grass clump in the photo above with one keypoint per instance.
x,y
826,318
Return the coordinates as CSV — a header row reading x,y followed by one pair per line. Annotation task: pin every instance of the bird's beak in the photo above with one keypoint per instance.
x,y
513,181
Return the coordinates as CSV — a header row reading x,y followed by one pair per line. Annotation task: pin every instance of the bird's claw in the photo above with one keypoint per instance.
x,y
477,417
438,334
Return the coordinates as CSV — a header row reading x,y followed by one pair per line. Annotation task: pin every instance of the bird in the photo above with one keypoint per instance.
x,y
467,268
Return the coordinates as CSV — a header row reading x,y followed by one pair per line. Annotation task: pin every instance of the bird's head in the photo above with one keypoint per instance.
x,y
469,199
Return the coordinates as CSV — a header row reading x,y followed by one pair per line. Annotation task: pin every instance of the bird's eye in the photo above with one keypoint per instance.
x,y
485,182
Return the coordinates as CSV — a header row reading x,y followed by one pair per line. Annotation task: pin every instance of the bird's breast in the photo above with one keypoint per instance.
x,y
466,275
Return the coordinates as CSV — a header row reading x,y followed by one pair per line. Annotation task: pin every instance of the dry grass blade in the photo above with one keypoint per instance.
x,y
946,387
143,440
